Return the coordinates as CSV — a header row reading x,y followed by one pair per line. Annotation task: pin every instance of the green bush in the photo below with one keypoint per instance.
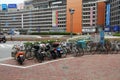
x,y
51,33
116,34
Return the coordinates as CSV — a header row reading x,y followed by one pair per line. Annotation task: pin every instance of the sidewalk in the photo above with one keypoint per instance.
x,y
88,67
34,37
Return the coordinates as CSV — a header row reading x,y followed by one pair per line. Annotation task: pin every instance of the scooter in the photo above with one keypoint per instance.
x,y
20,57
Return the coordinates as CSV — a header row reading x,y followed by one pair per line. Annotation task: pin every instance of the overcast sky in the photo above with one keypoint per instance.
x,y
11,1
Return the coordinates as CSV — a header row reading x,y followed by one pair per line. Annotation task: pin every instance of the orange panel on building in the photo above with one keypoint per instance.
x,y
101,13
77,16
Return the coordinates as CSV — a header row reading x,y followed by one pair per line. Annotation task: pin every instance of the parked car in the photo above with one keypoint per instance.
x,y
2,38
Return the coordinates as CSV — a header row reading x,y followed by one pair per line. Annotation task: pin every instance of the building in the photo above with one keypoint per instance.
x,y
77,16
28,4
114,17
54,16
93,15
45,16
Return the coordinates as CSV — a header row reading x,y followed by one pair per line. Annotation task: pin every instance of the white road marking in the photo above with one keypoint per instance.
x,y
23,67
2,46
9,65
6,45
9,45
49,62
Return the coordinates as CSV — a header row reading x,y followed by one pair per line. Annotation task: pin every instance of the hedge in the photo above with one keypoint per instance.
x,y
52,33
116,34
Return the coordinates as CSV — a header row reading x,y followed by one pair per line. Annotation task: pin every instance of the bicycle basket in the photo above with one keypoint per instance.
x,y
81,44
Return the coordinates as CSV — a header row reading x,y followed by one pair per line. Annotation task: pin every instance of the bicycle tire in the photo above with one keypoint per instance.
x,y
92,50
80,52
64,53
29,55
48,55
74,52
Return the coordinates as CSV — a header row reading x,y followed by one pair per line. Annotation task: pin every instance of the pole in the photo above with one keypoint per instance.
x,y
71,27
71,10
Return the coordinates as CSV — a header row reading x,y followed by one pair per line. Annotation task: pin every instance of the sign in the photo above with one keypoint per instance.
x,y
54,18
108,15
116,28
88,30
4,7
58,2
12,6
102,37
107,29
91,16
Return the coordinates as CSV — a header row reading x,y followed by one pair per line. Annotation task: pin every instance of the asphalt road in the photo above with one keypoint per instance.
x,y
6,48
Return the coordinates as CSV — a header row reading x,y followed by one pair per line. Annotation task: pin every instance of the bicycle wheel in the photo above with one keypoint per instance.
x,y
87,49
92,50
116,51
80,52
101,49
64,53
29,55
48,55
108,50
75,52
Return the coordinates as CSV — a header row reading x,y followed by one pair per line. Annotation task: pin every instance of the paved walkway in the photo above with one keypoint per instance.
x,y
88,67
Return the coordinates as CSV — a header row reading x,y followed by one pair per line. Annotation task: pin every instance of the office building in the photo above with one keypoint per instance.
x,y
114,15
93,15
43,16
54,16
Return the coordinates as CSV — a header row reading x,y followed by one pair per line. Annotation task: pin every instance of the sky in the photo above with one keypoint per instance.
x,y
11,1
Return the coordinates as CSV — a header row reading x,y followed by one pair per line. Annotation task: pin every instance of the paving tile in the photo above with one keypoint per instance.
x,y
87,67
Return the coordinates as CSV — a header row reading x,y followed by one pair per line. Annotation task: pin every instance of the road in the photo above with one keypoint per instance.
x,y
6,48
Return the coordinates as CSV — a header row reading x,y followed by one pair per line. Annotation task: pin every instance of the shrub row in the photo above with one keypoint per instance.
x,y
52,33
116,34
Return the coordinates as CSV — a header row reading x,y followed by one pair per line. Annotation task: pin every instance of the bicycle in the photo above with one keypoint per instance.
x,y
77,50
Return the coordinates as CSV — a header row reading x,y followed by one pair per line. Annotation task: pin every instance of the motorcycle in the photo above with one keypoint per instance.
x,y
59,52
53,53
38,54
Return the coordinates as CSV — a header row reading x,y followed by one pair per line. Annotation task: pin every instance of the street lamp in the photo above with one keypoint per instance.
x,y
71,10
